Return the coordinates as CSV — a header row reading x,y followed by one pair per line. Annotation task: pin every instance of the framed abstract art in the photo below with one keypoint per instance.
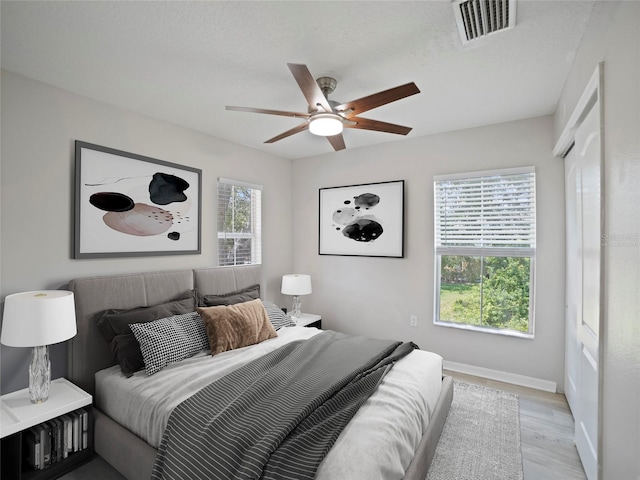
x,y
365,220
130,205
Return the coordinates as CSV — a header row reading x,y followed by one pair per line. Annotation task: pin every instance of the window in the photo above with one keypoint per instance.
x,y
239,223
485,246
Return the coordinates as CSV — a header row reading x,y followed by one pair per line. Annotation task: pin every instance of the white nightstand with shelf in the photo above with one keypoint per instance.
x,y
308,320
18,415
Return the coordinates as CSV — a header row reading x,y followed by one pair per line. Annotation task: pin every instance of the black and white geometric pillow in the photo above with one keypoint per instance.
x,y
277,317
170,340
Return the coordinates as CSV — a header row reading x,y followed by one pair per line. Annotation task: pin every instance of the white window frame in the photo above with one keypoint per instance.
x,y
256,221
475,246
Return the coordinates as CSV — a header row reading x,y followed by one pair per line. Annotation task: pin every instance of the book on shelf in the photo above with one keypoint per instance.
x,y
55,439
85,427
45,438
33,441
67,435
76,431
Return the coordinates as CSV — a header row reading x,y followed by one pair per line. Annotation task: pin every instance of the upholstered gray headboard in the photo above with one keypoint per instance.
x,y
88,352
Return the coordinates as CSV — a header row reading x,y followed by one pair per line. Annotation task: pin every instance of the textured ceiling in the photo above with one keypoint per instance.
x,y
184,61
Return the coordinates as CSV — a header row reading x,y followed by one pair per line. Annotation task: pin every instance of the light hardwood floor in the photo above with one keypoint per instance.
x,y
546,430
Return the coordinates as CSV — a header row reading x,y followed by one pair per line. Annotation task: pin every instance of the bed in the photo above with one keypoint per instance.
x,y
129,440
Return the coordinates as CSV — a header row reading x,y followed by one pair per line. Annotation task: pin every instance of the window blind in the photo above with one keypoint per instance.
x,y
239,222
486,213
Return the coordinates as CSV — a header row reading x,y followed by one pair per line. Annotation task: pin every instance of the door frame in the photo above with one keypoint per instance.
x,y
592,93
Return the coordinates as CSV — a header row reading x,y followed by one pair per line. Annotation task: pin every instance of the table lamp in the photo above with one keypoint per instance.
x,y
296,284
38,319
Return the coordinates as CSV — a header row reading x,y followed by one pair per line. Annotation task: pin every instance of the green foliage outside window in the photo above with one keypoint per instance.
x,y
486,291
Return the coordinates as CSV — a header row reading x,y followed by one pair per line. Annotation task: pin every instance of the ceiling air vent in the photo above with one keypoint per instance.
x,y
479,18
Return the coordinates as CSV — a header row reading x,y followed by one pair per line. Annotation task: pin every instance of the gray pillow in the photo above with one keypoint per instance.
x,y
239,296
116,322
126,351
277,317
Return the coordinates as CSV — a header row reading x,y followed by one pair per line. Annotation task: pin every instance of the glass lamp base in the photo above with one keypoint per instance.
x,y
295,309
39,374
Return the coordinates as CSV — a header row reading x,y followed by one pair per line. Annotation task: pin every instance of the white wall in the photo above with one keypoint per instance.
x,y
39,126
613,36
375,296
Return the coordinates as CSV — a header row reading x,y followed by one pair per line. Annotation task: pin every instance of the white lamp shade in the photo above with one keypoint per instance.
x,y
43,317
296,284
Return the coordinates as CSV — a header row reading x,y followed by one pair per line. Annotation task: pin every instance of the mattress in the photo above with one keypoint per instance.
x,y
379,442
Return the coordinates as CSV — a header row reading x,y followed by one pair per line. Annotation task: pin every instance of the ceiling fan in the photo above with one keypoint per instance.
x,y
327,117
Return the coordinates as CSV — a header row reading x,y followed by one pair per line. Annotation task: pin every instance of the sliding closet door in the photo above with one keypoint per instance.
x,y
583,289
573,290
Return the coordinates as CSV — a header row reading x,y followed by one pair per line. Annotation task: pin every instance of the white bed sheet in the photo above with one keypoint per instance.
x,y
378,443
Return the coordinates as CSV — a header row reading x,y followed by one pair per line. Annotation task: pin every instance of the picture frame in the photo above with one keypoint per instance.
x,y
129,205
362,220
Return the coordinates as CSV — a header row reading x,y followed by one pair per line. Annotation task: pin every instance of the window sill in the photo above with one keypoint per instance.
x,y
490,330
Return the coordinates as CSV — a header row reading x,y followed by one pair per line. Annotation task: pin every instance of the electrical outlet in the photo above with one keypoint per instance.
x,y
413,320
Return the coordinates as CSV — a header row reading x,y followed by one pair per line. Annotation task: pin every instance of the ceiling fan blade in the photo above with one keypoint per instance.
x,y
337,142
368,124
370,102
269,112
300,128
309,87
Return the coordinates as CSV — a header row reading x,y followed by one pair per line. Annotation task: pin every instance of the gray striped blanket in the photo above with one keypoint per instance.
x,y
278,416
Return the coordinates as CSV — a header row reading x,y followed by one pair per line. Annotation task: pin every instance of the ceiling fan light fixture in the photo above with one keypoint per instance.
x,y
325,124
327,118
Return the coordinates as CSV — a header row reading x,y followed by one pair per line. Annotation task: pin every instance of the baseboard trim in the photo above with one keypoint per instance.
x,y
506,377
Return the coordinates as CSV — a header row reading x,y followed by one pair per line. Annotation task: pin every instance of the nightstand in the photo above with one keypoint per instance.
x,y
308,320
62,427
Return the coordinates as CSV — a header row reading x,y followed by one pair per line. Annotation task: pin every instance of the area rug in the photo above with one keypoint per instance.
x,y
481,437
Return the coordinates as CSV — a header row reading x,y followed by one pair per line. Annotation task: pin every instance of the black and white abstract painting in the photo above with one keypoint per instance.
x,y
365,220
130,205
